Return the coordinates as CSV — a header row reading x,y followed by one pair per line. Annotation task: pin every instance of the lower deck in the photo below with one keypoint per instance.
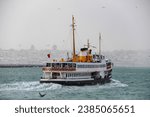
x,y
74,75
77,82
77,78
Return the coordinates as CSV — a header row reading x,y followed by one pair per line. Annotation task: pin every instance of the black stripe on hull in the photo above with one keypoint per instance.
x,y
78,83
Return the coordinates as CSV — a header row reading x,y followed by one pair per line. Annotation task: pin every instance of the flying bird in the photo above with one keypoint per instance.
x,y
42,95
103,7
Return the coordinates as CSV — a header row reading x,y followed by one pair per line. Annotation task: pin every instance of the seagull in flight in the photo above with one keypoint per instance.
x,y
42,95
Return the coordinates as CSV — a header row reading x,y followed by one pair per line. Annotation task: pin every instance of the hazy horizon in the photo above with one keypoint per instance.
x,y
70,50
124,24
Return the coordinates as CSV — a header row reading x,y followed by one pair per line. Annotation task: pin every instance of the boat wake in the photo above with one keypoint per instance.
x,y
113,83
29,86
36,86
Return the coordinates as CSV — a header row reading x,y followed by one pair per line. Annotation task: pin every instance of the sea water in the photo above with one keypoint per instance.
x,y
23,84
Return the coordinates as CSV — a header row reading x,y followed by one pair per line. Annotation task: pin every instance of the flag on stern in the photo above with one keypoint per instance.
x,y
48,55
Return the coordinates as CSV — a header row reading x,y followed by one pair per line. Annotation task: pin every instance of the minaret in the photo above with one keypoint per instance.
x,y
99,43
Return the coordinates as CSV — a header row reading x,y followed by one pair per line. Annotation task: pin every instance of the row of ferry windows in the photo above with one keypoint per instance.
x,y
91,66
77,74
61,65
74,65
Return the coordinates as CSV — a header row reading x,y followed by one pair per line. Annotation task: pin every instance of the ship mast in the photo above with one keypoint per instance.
x,y
99,44
73,29
88,44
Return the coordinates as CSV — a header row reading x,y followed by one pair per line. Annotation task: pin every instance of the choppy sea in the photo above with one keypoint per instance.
x,y
23,84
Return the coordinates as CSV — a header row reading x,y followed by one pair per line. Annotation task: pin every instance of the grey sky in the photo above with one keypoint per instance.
x,y
124,24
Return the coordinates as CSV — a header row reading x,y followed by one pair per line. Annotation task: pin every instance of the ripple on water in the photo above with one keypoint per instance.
x,y
29,86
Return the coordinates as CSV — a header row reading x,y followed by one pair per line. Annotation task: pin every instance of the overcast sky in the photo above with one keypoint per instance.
x,y
124,24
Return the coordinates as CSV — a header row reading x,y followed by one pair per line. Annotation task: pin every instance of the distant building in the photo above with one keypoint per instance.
x,y
32,47
54,47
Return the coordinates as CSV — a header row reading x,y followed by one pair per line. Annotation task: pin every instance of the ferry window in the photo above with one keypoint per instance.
x,y
103,65
74,65
48,65
58,65
54,64
69,64
63,65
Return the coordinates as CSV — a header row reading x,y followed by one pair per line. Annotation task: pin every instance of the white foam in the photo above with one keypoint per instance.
x,y
36,86
113,83
28,86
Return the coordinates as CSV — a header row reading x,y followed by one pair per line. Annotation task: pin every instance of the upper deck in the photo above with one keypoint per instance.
x,y
61,66
74,66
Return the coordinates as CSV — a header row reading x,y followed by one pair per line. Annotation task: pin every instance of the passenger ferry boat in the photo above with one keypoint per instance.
x,y
81,69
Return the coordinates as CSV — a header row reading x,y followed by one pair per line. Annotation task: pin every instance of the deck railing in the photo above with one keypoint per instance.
x,y
58,69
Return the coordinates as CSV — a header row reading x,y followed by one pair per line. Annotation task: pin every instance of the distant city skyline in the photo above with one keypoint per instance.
x,y
124,24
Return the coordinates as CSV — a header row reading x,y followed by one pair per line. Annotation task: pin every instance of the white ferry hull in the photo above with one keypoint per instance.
x,y
81,74
77,82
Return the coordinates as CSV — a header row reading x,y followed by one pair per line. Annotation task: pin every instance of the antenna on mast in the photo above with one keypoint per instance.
x,y
88,44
